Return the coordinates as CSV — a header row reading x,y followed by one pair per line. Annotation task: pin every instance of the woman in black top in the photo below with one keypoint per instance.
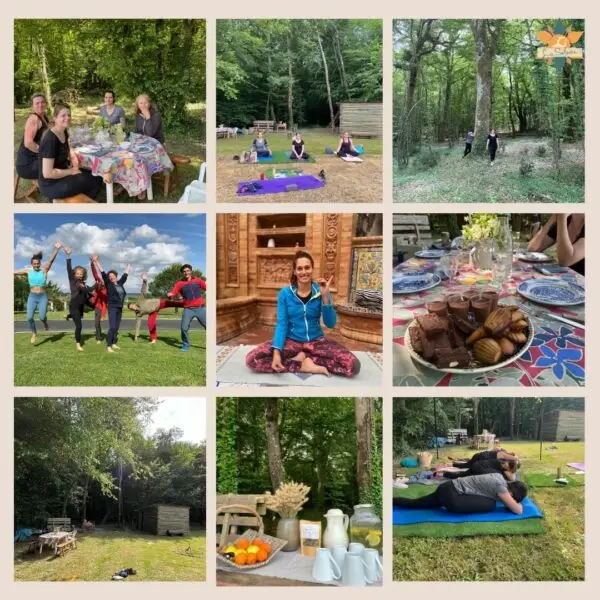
x,y
37,122
298,152
80,296
346,147
492,145
59,173
568,233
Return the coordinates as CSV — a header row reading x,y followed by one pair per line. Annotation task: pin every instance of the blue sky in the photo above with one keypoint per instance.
x,y
186,413
150,242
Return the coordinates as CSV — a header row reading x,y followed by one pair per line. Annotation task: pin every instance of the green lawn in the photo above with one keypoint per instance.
x,y
54,360
471,179
98,555
58,315
190,142
556,556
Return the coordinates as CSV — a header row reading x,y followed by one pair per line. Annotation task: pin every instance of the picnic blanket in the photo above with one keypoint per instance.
x,y
411,516
547,480
277,186
273,173
283,156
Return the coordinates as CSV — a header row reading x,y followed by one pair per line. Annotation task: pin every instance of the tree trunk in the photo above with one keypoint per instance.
x,y
510,100
475,416
85,498
485,49
513,406
276,471
120,509
41,48
340,63
363,414
566,88
290,96
328,85
446,131
269,68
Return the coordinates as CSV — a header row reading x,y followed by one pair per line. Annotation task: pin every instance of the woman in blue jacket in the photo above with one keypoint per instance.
x,y
299,344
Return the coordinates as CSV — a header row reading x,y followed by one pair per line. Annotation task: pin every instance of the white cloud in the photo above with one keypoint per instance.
x,y
145,232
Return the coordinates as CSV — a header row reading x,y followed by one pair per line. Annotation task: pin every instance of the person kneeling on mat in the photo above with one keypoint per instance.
x,y
260,146
474,494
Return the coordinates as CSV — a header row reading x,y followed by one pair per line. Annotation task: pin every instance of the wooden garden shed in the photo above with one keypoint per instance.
x,y
160,518
362,119
559,424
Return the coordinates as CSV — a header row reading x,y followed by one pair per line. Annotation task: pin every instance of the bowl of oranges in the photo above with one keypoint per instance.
x,y
251,550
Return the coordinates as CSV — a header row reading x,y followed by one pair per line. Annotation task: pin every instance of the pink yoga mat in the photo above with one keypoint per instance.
x,y
578,466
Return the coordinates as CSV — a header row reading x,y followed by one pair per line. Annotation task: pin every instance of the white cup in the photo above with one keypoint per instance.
x,y
374,568
339,555
354,571
356,548
325,569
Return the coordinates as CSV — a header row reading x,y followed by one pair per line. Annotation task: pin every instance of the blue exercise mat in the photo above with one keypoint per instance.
x,y
411,516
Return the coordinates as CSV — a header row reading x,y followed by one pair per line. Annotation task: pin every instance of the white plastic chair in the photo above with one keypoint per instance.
x,y
195,192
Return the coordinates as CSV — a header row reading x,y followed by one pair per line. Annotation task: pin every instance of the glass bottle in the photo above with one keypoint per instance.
x,y
504,247
366,527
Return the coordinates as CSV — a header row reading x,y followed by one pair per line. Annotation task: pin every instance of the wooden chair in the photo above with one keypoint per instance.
x,y
239,510
26,196
170,178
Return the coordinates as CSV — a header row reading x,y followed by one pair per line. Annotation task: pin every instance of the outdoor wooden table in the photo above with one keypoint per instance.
x,y
226,578
131,164
556,356
52,539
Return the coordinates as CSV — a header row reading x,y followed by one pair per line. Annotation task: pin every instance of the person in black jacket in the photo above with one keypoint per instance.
x,y
116,299
80,296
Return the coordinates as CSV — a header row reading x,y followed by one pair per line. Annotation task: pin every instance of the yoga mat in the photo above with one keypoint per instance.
x,y
355,159
283,156
277,186
273,173
232,370
546,480
578,466
412,516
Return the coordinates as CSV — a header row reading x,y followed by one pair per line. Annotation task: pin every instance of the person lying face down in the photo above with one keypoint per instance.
x,y
472,494
506,467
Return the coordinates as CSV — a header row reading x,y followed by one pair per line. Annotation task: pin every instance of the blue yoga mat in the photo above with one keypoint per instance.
x,y
410,516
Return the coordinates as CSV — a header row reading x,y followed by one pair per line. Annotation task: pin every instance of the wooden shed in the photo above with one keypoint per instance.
x,y
560,424
160,518
362,119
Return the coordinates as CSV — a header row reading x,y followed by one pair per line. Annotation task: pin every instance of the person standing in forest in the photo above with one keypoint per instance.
x,y
492,145
468,143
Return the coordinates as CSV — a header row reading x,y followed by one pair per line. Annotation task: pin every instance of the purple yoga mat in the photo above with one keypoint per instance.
x,y
578,466
276,186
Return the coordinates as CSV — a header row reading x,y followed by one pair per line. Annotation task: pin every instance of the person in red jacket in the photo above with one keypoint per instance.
x,y
190,288
100,301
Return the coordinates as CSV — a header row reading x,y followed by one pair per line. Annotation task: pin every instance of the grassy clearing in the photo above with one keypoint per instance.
x,y
346,182
53,360
556,556
165,313
190,142
98,555
471,179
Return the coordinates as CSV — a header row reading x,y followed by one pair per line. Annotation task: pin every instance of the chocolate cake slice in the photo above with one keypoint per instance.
x,y
452,358
433,325
420,343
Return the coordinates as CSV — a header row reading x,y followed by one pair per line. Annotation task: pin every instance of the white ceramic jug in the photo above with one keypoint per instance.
x,y
336,530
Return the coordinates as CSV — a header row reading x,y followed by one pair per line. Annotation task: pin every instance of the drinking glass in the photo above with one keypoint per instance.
x,y
501,269
449,264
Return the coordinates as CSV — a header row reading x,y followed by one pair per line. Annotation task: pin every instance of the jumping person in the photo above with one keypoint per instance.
x,y
80,297
150,307
38,296
99,300
468,143
298,152
474,494
116,298
346,147
27,163
261,146
492,145
190,289
59,174
299,344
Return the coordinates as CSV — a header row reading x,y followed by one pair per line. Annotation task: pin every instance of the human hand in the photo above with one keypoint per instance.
x,y
75,170
67,250
276,363
144,276
324,285
57,245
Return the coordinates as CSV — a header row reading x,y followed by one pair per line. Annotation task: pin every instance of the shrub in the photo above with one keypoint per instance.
x,y
525,167
541,151
427,159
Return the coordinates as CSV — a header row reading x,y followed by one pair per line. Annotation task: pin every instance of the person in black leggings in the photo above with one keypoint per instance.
x,y
27,163
80,297
474,494
506,468
346,147
59,174
492,145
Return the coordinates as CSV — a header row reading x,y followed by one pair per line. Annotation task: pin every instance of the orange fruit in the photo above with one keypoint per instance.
x,y
261,556
251,560
266,547
241,558
242,544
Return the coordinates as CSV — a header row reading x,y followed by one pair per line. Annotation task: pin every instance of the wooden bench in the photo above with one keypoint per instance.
x,y
281,127
26,196
69,544
362,134
244,508
59,524
453,434
264,126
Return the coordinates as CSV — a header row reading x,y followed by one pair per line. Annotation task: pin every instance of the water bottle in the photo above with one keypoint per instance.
x,y
505,244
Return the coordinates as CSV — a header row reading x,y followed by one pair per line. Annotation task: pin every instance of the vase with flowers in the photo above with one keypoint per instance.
x,y
481,231
286,502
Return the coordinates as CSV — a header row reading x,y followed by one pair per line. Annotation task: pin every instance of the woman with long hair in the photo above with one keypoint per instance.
x,y
27,164
38,296
59,173
80,297
346,146
299,344
148,120
114,114
99,299
492,145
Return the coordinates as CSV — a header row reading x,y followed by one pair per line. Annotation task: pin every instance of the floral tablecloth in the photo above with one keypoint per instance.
x,y
556,356
130,164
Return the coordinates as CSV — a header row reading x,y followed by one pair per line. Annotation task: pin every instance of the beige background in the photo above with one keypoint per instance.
x,y
315,9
